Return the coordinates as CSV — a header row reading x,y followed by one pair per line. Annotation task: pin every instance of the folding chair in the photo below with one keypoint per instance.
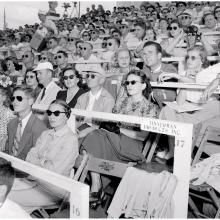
x,y
205,192
80,175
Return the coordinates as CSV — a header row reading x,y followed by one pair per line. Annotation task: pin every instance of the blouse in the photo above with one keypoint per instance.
x,y
55,151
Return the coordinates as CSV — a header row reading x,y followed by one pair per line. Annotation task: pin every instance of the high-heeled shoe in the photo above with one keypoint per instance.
x,y
97,198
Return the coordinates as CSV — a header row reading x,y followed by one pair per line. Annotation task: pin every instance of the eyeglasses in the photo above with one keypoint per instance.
x,y
43,58
71,39
25,56
56,113
109,44
19,98
197,4
169,19
217,11
50,42
151,20
92,76
85,35
69,77
173,28
122,27
93,32
132,82
31,77
191,57
60,57
83,48
184,17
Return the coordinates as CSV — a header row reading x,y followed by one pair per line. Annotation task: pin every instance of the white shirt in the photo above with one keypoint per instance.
x,y
10,209
24,122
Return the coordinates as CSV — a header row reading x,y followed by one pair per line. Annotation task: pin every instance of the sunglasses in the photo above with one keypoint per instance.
x,y
169,19
109,44
132,82
197,4
19,98
93,32
43,58
184,17
191,57
69,77
31,77
151,20
60,57
92,76
122,27
56,113
86,35
173,28
83,48
25,56
70,39
50,42
217,11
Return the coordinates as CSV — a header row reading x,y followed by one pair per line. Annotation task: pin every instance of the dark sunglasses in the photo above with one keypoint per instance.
x,y
197,4
50,42
151,20
92,76
60,57
69,77
191,57
43,58
25,56
184,17
83,48
109,44
217,11
122,27
56,113
169,19
173,28
70,39
132,82
31,77
19,98
93,32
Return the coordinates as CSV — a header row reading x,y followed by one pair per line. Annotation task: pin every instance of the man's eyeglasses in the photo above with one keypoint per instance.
x,y
69,77
197,4
191,57
27,77
122,27
43,58
18,98
173,28
109,44
92,76
132,82
56,113
217,11
83,48
60,57
151,21
184,17
85,35
70,39
93,32
25,56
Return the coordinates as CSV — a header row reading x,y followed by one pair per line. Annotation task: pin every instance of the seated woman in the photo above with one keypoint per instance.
x,y
126,146
56,150
196,60
32,81
72,81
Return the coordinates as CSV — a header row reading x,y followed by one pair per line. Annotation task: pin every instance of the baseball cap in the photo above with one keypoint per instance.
x,y
44,66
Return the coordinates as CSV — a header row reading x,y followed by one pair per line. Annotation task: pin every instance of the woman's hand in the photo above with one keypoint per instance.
x,y
165,76
210,89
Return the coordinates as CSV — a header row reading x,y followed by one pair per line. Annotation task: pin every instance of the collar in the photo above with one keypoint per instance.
x,y
157,69
25,120
49,85
96,96
60,132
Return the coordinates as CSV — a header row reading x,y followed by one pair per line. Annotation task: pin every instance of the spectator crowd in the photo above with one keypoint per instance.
x,y
103,61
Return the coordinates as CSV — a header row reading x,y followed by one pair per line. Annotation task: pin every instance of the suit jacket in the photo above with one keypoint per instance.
x,y
50,94
105,103
32,131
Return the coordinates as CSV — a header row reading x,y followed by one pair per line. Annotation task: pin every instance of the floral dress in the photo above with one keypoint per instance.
x,y
5,116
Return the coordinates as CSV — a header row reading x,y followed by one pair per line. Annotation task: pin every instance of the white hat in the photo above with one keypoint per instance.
x,y
44,66
125,23
42,12
95,68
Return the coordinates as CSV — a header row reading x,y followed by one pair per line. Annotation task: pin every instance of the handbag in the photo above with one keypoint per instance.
x,y
110,126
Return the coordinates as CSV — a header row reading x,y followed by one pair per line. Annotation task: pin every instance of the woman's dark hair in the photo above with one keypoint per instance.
x,y
205,15
175,21
76,73
140,24
30,70
65,106
15,62
214,11
144,80
6,92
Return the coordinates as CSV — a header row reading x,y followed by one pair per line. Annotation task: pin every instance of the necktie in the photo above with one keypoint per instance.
x,y
43,93
17,139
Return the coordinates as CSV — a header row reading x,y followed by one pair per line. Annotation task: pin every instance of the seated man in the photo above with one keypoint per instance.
x,y
97,99
23,130
8,208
